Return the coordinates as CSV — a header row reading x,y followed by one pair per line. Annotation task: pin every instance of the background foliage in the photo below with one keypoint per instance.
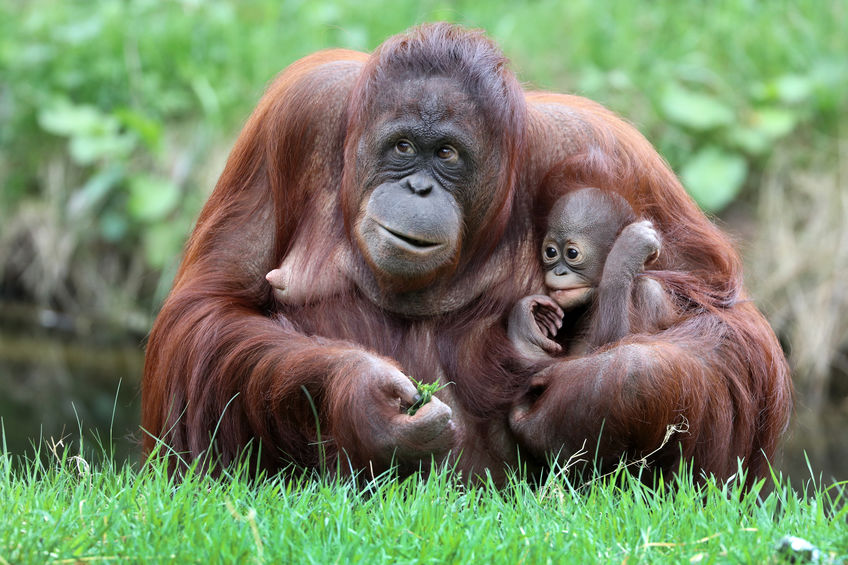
x,y
117,116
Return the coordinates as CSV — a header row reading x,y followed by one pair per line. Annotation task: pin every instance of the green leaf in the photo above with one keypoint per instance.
x,y
694,110
150,131
714,177
163,242
152,198
793,89
80,32
750,140
63,118
86,149
762,128
774,122
93,134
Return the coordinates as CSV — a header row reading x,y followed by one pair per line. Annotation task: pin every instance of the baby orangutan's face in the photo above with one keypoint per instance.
x,y
582,227
569,284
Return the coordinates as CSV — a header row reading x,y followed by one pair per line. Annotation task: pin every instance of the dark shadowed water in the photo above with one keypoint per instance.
x,y
53,382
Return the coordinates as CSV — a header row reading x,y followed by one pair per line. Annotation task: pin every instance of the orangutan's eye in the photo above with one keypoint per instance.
x,y
573,254
447,153
404,147
550,253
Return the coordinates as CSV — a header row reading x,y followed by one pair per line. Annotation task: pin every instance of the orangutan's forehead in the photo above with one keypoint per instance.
x,y
430,99
584,213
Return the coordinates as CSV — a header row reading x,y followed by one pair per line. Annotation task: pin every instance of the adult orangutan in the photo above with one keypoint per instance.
x,y
420,164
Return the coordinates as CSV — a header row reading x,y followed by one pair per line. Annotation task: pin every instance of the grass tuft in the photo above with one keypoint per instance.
x,y
65,510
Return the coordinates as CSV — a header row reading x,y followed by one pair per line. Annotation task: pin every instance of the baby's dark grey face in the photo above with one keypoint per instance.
x,y
582,228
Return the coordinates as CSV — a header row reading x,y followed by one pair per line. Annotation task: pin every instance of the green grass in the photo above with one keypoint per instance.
x,y
66,511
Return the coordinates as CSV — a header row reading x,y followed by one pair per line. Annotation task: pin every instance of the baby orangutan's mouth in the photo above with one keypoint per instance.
x,y
572,296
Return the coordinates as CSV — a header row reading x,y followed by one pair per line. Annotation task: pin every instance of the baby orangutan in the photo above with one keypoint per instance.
x,y
593,254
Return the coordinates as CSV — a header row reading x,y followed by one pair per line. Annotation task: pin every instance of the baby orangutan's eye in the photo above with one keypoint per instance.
x,y
573,254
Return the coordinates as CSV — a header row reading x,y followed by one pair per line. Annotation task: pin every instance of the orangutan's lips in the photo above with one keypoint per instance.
x,y
570,291
411,241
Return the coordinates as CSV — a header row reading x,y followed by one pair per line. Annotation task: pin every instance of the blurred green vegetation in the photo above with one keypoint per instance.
x,y
117,115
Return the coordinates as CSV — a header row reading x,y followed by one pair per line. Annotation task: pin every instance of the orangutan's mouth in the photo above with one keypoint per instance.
x,y
414,242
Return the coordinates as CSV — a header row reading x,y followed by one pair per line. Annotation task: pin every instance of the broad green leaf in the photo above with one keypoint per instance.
x,y
750,140
94,134
714,177
80,31
86,149
63,118
787,89
152,198
150,131
162,243
694,110
774,122
763,127
793,89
